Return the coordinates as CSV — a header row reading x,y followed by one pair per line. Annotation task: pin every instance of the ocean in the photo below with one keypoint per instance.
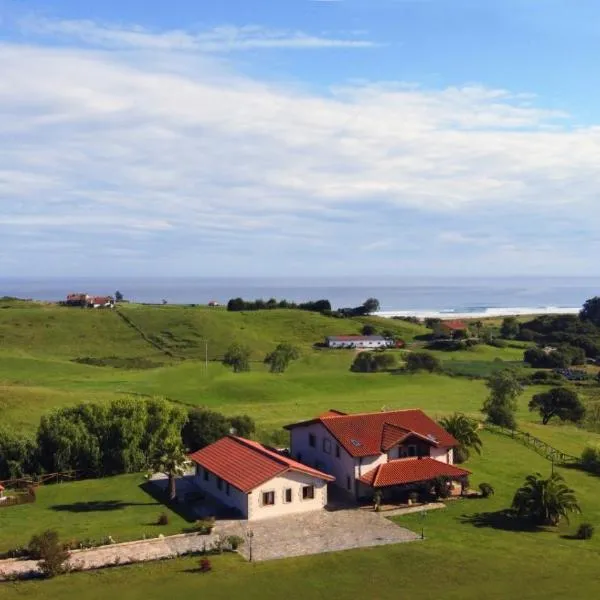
x,y
419,296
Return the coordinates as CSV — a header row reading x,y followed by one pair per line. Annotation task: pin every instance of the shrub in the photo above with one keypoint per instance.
x,y
417,361
205,565
163,519
486,490
51,554
235,541
585,531
441,487
205,526
590,459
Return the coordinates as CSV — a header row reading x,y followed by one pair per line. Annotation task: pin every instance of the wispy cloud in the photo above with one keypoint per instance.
x,y
180,157
218,40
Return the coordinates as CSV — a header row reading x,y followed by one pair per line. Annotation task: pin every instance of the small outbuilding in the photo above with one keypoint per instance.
x,y
358,341
256,481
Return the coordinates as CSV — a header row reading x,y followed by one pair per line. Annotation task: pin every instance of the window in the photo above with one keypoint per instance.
x,y
219,483
287,496
227,489
308,492
348,483
337,451
326,446
206,475
312,440
268,498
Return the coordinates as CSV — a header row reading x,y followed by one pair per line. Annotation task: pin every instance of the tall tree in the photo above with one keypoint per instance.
x,y
464,430
281,357
237,357
501,405
370,305
118,296
171,461
510,328
558,402
591,311
545,501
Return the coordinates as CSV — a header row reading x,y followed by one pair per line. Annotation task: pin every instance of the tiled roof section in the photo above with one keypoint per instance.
x,y
392,435
356,338
363,434
331,413
454,325
246,464
410,470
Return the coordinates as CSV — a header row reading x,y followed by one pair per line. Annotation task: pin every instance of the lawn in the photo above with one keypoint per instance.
x,y
468,554
94,509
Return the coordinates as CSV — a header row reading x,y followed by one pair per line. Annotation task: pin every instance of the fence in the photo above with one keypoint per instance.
x,y
47,478
542,448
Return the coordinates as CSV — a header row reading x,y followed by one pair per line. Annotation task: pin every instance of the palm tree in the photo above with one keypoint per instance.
x,y
171,462
464,430
545,501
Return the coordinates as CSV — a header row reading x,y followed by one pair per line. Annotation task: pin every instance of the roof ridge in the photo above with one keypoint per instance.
x,y
260,448
375,412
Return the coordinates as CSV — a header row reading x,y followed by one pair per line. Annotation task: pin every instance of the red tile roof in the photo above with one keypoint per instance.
x,y
246,464
454,325
410,470
370,434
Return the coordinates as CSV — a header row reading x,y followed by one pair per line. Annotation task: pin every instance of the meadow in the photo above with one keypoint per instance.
x,y
159,351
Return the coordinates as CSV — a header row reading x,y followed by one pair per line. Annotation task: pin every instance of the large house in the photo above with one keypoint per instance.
x,y
358,341
392,451
257,482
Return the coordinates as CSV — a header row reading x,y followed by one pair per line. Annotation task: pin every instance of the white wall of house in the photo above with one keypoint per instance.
x,y
286,487
227,494
443,454
327,455
368,463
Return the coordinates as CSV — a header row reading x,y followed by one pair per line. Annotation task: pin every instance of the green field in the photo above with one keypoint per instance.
x,y
40,346
466,555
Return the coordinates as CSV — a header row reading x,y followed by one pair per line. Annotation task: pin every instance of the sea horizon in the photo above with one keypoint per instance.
x,y
420,296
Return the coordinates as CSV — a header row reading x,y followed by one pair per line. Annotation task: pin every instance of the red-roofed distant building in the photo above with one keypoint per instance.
x,y
392,451
257,481
450,328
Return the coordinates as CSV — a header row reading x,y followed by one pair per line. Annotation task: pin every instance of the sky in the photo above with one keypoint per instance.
x,y
299,137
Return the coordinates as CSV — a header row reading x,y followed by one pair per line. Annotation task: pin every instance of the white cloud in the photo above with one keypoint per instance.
x,y
99,140
218,40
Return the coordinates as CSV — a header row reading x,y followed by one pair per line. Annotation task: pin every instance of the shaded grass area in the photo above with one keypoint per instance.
x,y
115,506
469,552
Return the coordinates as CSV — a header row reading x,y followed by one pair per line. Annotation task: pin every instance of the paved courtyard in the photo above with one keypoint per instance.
x,y
315,533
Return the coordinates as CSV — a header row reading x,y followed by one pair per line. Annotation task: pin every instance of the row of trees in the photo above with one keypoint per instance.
x,y
127,435
238,357
239,304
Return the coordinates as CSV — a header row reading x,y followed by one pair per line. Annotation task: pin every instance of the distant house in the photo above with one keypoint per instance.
x,y
257,482
358,341
450,328
78,299
391,451
214,303
101,302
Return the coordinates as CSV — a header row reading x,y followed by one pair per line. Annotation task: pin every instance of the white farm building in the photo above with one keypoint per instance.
x,y
358,341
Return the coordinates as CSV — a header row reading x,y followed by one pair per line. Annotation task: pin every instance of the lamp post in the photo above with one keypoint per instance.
x,y
250,535
422,517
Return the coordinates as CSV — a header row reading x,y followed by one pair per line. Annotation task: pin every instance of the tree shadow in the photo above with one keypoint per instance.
x,y
98,506
505,520
182,509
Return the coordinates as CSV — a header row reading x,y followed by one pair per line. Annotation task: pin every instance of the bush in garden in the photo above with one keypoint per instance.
x,y
585,531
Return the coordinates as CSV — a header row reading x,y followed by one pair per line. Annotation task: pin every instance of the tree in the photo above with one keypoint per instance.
x,y
243,426
371,362
368,330
422,361
545,501
388,334
501,405
478,325
171,462
51,554
591,311
464,430
17,456
118,296
237,357
280,358
432,323
236,305
203,428
558,402
510,328
370,305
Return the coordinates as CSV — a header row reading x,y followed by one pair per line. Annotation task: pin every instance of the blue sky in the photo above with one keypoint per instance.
x,y
263,137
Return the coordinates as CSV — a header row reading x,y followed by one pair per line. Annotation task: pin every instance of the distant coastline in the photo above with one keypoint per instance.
x,y
484,313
